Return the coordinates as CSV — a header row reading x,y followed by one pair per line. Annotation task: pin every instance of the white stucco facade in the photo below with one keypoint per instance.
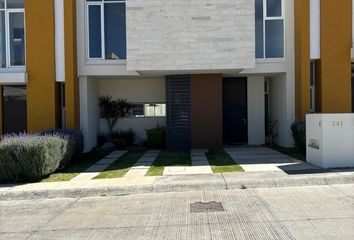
x,y
256,110
330,140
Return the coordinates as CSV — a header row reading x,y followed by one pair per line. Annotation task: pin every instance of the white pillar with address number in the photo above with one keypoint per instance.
x,y
330,140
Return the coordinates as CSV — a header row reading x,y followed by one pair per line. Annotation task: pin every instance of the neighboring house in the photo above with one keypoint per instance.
x,y
213,72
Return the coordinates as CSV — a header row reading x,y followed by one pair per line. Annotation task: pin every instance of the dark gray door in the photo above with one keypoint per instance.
x,y
14,109
235,110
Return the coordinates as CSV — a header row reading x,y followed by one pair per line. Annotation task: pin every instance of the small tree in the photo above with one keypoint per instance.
x,y
112,110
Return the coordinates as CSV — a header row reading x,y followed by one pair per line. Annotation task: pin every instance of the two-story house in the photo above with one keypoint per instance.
x,y
212,72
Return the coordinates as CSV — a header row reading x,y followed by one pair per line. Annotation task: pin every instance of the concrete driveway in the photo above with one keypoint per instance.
x,y
322,212
263,159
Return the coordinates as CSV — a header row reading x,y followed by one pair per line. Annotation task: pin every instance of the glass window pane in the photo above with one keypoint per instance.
x,y
2,4
115,31
259,29
149,110
138,110
15,4
95,40
2,40
17,39
160,110
155,110
274,8
312,73
274,38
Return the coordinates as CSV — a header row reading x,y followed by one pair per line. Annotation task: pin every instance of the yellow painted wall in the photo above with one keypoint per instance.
x,y
334,73
302,57
72,100
40,58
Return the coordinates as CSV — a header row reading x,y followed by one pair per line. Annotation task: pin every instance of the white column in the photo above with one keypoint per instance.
x,y
256,110
89,111
59,41
315,24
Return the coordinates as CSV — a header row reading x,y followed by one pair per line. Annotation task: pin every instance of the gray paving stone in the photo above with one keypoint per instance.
x,y
116,154
200,163
142,166
106,161
199,158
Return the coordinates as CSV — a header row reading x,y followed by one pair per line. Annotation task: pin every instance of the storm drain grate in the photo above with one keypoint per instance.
x,y
200,207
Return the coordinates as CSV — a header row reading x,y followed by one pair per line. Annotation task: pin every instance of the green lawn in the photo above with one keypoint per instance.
x,y
221,162
77,166
120,167
292,152
166,159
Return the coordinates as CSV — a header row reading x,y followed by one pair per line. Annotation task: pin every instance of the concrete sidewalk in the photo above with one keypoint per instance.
x,y
321,212
134,185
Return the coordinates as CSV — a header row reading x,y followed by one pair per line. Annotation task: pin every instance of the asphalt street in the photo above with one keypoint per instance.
x,y
321,212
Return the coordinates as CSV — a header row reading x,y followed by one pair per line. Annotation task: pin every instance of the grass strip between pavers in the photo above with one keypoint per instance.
x,y
221,162
77,166
120,167
167,159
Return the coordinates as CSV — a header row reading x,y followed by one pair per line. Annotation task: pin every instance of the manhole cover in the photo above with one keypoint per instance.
x,y
199,207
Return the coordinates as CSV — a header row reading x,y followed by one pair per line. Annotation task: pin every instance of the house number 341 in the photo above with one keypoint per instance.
x,y
337,124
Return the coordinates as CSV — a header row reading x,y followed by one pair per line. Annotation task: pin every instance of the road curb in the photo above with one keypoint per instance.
x,y
179,184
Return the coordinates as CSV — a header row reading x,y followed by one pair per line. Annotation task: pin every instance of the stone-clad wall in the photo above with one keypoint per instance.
x,y
190,34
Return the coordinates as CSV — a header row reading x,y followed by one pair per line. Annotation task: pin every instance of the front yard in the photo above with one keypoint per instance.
x,y
120,167
221,162
77,166
168,159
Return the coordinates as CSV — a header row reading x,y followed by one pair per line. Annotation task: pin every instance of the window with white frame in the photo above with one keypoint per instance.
x,y
12,34
148,110
106,29
269,28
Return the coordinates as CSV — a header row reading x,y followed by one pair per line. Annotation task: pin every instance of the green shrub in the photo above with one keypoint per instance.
x,y
128,136
156,137
298,130
119,143
30,157
75,143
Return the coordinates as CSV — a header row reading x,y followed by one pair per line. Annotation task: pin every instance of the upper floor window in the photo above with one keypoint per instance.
x,y
106,29
12,33
269,29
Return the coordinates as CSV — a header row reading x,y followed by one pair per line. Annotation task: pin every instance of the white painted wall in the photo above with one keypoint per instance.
x,y
139,125
280,110
282,83
331,137
13,78
256,110
89,111
59,41
135,91
315,24
95,67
